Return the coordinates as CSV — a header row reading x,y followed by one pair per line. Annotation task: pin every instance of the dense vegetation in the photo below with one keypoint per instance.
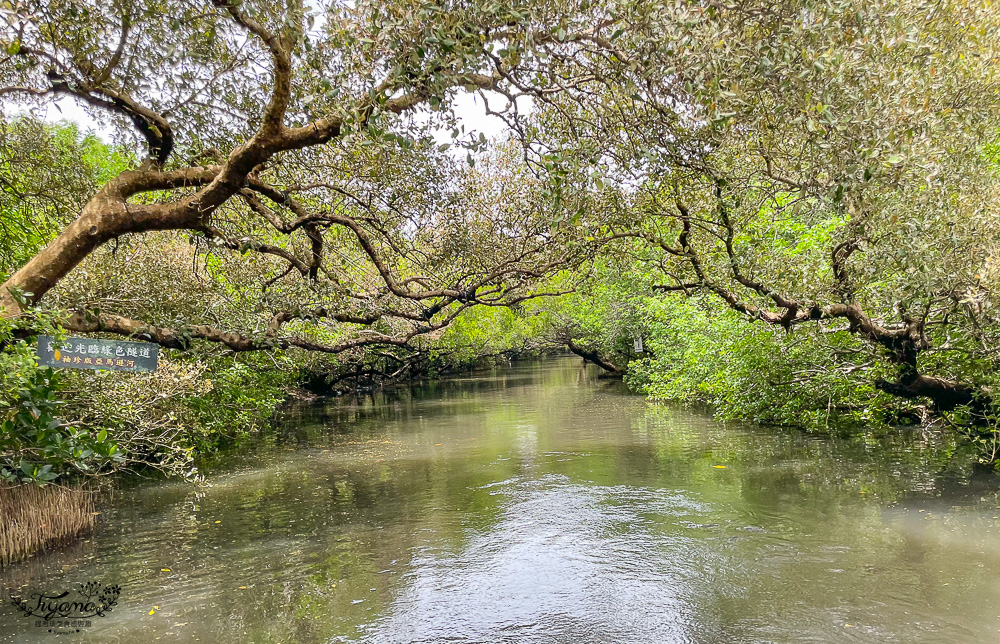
x,y
788,211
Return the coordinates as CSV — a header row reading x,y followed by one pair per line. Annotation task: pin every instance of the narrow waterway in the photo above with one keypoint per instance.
x,y
540,504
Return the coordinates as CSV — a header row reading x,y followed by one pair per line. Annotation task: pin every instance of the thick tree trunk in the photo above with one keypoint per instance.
x,y
9,306
106,216
101,220
595,357
946,395
59,257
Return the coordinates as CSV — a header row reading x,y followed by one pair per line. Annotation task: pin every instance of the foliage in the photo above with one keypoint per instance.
x,y
245,393
36,444
698,351
40,447
491,333
190,407
46,171
602,313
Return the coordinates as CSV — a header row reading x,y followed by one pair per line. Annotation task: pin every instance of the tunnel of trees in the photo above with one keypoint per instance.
x,y
786,210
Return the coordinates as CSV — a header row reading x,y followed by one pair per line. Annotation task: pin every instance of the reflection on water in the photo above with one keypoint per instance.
x,y
538,504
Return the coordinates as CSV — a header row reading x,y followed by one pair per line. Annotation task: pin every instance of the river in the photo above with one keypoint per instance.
x,y
538,503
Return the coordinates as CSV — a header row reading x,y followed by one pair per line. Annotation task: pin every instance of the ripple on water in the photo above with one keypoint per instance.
x,y
545,508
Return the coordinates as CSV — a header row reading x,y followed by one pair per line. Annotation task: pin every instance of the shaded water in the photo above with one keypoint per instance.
x,y
538,504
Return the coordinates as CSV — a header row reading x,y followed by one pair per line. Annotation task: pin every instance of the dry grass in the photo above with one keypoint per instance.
x,y
34,518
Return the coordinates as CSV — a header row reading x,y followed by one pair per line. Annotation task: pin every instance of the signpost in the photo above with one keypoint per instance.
x,y
87,353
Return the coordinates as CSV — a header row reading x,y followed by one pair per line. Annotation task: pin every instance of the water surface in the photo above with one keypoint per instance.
x,y
539,504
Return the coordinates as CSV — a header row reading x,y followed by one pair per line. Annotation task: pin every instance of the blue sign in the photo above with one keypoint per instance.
x,y
88,353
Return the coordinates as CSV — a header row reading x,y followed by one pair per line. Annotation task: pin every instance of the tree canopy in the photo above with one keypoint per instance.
x,y
292,176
